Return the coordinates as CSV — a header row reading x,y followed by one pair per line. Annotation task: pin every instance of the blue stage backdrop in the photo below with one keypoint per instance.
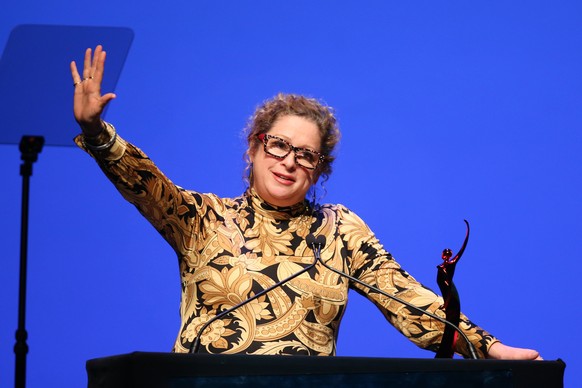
x,y
449,111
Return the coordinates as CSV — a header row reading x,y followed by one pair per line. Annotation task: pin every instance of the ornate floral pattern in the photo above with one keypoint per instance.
x,y
231,249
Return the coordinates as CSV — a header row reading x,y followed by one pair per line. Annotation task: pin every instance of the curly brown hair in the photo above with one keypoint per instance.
x,y
292,104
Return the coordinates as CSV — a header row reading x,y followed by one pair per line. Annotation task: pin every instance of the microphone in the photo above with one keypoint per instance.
x,y
196,344
316,244
319,242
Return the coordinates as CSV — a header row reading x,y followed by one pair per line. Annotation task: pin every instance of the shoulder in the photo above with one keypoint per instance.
x,y
342,215
339,209
212,200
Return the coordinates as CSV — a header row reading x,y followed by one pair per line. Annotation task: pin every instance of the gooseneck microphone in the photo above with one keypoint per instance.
x,y
319,242
196,344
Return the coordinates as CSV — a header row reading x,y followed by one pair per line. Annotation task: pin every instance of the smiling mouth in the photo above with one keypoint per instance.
x,y
284,177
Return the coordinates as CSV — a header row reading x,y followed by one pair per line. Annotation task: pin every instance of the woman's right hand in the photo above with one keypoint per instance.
x,y
88,102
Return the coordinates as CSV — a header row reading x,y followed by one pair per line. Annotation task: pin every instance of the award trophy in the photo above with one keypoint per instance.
x,y
452,303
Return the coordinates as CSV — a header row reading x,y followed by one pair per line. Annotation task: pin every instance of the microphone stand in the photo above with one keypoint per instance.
x,y
320,241
30,147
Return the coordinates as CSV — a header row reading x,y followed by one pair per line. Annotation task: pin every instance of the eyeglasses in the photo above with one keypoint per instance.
x,y
280,148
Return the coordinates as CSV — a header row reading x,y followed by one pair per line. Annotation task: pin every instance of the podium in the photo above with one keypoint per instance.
x,y
171,370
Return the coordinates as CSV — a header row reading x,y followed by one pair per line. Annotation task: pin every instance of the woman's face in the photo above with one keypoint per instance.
x,y
282,182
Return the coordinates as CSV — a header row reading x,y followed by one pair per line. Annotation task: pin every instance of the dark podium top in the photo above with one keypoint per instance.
x,y
141,369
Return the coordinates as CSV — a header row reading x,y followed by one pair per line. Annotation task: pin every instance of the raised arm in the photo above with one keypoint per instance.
x,y
170,209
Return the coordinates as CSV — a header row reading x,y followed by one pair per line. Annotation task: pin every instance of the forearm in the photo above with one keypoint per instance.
x,y
421,329
168,208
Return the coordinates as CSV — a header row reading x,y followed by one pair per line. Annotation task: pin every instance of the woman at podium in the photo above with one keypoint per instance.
x,y
231,249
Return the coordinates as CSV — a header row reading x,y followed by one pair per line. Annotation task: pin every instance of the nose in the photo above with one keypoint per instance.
x,y
289,161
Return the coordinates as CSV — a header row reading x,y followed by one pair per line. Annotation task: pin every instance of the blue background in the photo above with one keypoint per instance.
x,y
449,111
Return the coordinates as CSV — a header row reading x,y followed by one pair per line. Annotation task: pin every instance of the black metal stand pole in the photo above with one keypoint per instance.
x,y
30,147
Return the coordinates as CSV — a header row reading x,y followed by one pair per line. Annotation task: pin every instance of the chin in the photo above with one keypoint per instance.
x,y
280,199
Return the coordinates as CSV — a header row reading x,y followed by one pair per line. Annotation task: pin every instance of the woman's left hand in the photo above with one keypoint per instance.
x,y
499,351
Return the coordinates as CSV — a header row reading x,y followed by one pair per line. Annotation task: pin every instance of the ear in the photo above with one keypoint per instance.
x,y
316,175
253,149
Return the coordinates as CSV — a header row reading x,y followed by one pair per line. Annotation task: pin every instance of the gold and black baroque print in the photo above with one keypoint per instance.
x,y
231,249
249,246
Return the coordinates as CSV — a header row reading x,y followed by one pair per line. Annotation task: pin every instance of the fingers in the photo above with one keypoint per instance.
x,y
75,74
93,66
87,64
500,351
95,61
99,64
106,98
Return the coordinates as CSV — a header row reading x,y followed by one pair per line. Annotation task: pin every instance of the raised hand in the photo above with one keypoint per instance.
x,y
88,102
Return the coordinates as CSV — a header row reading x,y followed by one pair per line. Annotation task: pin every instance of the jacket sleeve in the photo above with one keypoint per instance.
x,y
173,211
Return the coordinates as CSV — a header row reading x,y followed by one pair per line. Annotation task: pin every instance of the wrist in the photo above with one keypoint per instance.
x,y
93,130
101,141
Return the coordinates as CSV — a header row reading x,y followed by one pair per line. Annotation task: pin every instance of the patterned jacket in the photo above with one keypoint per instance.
x,y
230,249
